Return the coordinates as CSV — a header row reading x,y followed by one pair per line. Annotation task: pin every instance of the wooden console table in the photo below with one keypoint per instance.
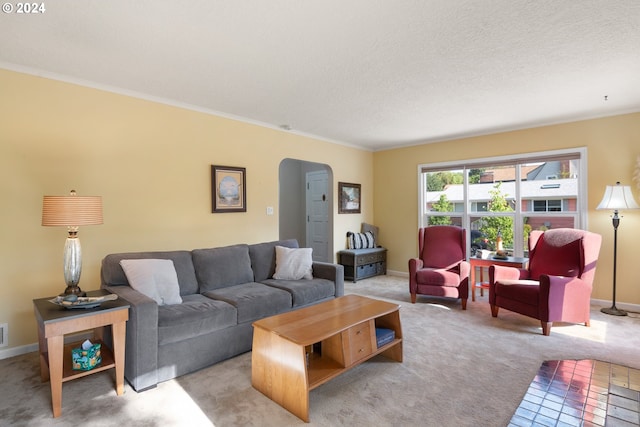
x,y
300,350
55,357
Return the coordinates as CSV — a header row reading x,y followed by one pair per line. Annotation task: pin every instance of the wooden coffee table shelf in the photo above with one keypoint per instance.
x,y
298,351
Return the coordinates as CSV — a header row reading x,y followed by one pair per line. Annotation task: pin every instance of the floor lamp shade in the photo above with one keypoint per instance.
x,y
72,211
616,197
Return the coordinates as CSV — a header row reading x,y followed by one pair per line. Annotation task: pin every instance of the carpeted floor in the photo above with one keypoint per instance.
x,y
460,368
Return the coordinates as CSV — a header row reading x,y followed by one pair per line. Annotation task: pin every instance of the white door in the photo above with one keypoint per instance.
x,y
317,189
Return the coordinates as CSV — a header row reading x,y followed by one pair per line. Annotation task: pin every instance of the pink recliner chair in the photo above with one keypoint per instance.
x,y
556,286
441,268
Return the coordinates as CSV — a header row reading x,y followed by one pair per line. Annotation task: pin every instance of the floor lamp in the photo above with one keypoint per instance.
x,y
72,211
616,197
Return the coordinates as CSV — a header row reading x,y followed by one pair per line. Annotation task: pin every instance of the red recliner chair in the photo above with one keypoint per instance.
x,y
441,268
556,286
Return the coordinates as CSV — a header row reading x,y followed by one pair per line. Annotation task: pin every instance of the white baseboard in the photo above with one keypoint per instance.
x,y
397,273
635,308
17,351
24,349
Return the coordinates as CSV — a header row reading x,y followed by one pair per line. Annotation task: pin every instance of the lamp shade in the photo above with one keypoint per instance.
x,y
618,197
72,210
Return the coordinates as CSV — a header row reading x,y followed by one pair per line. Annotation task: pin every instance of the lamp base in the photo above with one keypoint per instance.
x,y
614,311
74,290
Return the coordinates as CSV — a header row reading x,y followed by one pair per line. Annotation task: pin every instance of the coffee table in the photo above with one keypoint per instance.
x,y
297,351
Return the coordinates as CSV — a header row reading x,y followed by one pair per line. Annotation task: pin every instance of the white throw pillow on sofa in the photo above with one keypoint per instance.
x,y
293,263
156,278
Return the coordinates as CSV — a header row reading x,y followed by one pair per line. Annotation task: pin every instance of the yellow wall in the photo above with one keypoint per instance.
x,y
151,164
613,145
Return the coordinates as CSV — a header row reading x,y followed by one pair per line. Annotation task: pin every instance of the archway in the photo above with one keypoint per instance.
x,y
306,206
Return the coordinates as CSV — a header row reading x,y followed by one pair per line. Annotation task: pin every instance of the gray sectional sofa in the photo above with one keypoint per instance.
x,y
223,291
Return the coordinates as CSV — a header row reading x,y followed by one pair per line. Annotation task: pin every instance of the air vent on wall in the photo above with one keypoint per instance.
x,y
4,330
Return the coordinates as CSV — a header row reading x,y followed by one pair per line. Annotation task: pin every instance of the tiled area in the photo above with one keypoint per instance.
x,y
581,393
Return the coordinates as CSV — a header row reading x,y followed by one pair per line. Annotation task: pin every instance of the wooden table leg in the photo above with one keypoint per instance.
x,y
473,284
118,332
278,371
42,350
55,347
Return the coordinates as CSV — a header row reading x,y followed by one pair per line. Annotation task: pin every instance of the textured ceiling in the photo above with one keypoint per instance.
x,y
370,73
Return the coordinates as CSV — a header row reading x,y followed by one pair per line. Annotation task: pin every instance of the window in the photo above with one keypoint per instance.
x,y
509,195
479,206
547,205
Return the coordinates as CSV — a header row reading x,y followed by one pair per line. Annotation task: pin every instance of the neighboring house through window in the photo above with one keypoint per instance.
x,y
509,195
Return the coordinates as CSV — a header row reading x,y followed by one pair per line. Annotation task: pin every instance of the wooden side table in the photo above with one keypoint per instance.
x,y
480,263
55,357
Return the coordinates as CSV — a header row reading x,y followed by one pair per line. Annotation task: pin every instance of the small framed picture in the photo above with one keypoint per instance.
x,y
228,189
349,198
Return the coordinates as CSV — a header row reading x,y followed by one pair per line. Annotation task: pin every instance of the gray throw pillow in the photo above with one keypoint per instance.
x,y
293,264
155,278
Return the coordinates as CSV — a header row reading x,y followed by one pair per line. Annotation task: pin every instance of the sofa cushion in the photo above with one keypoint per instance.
x,y
524,293
555,259
508,282
221,267
448,250
156,278
253,300
437,277
113,274
263,257
293,264
303,291
197,315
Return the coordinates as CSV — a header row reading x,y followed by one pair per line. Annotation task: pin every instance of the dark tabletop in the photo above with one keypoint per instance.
x,y
50,312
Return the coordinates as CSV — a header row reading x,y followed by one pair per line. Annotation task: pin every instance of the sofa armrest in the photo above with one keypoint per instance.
x,y
464,270
329,271
415,264
141,361
564,299
501,272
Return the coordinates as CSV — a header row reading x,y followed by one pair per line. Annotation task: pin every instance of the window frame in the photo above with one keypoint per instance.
x,y
548,207
578,154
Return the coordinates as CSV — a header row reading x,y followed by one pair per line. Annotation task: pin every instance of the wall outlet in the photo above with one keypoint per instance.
x,y
4,334
269,210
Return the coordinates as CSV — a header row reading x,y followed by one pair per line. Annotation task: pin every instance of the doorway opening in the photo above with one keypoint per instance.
x,y
306,206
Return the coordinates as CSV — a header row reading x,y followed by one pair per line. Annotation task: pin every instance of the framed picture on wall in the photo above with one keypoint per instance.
x,y
228,189
349,195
